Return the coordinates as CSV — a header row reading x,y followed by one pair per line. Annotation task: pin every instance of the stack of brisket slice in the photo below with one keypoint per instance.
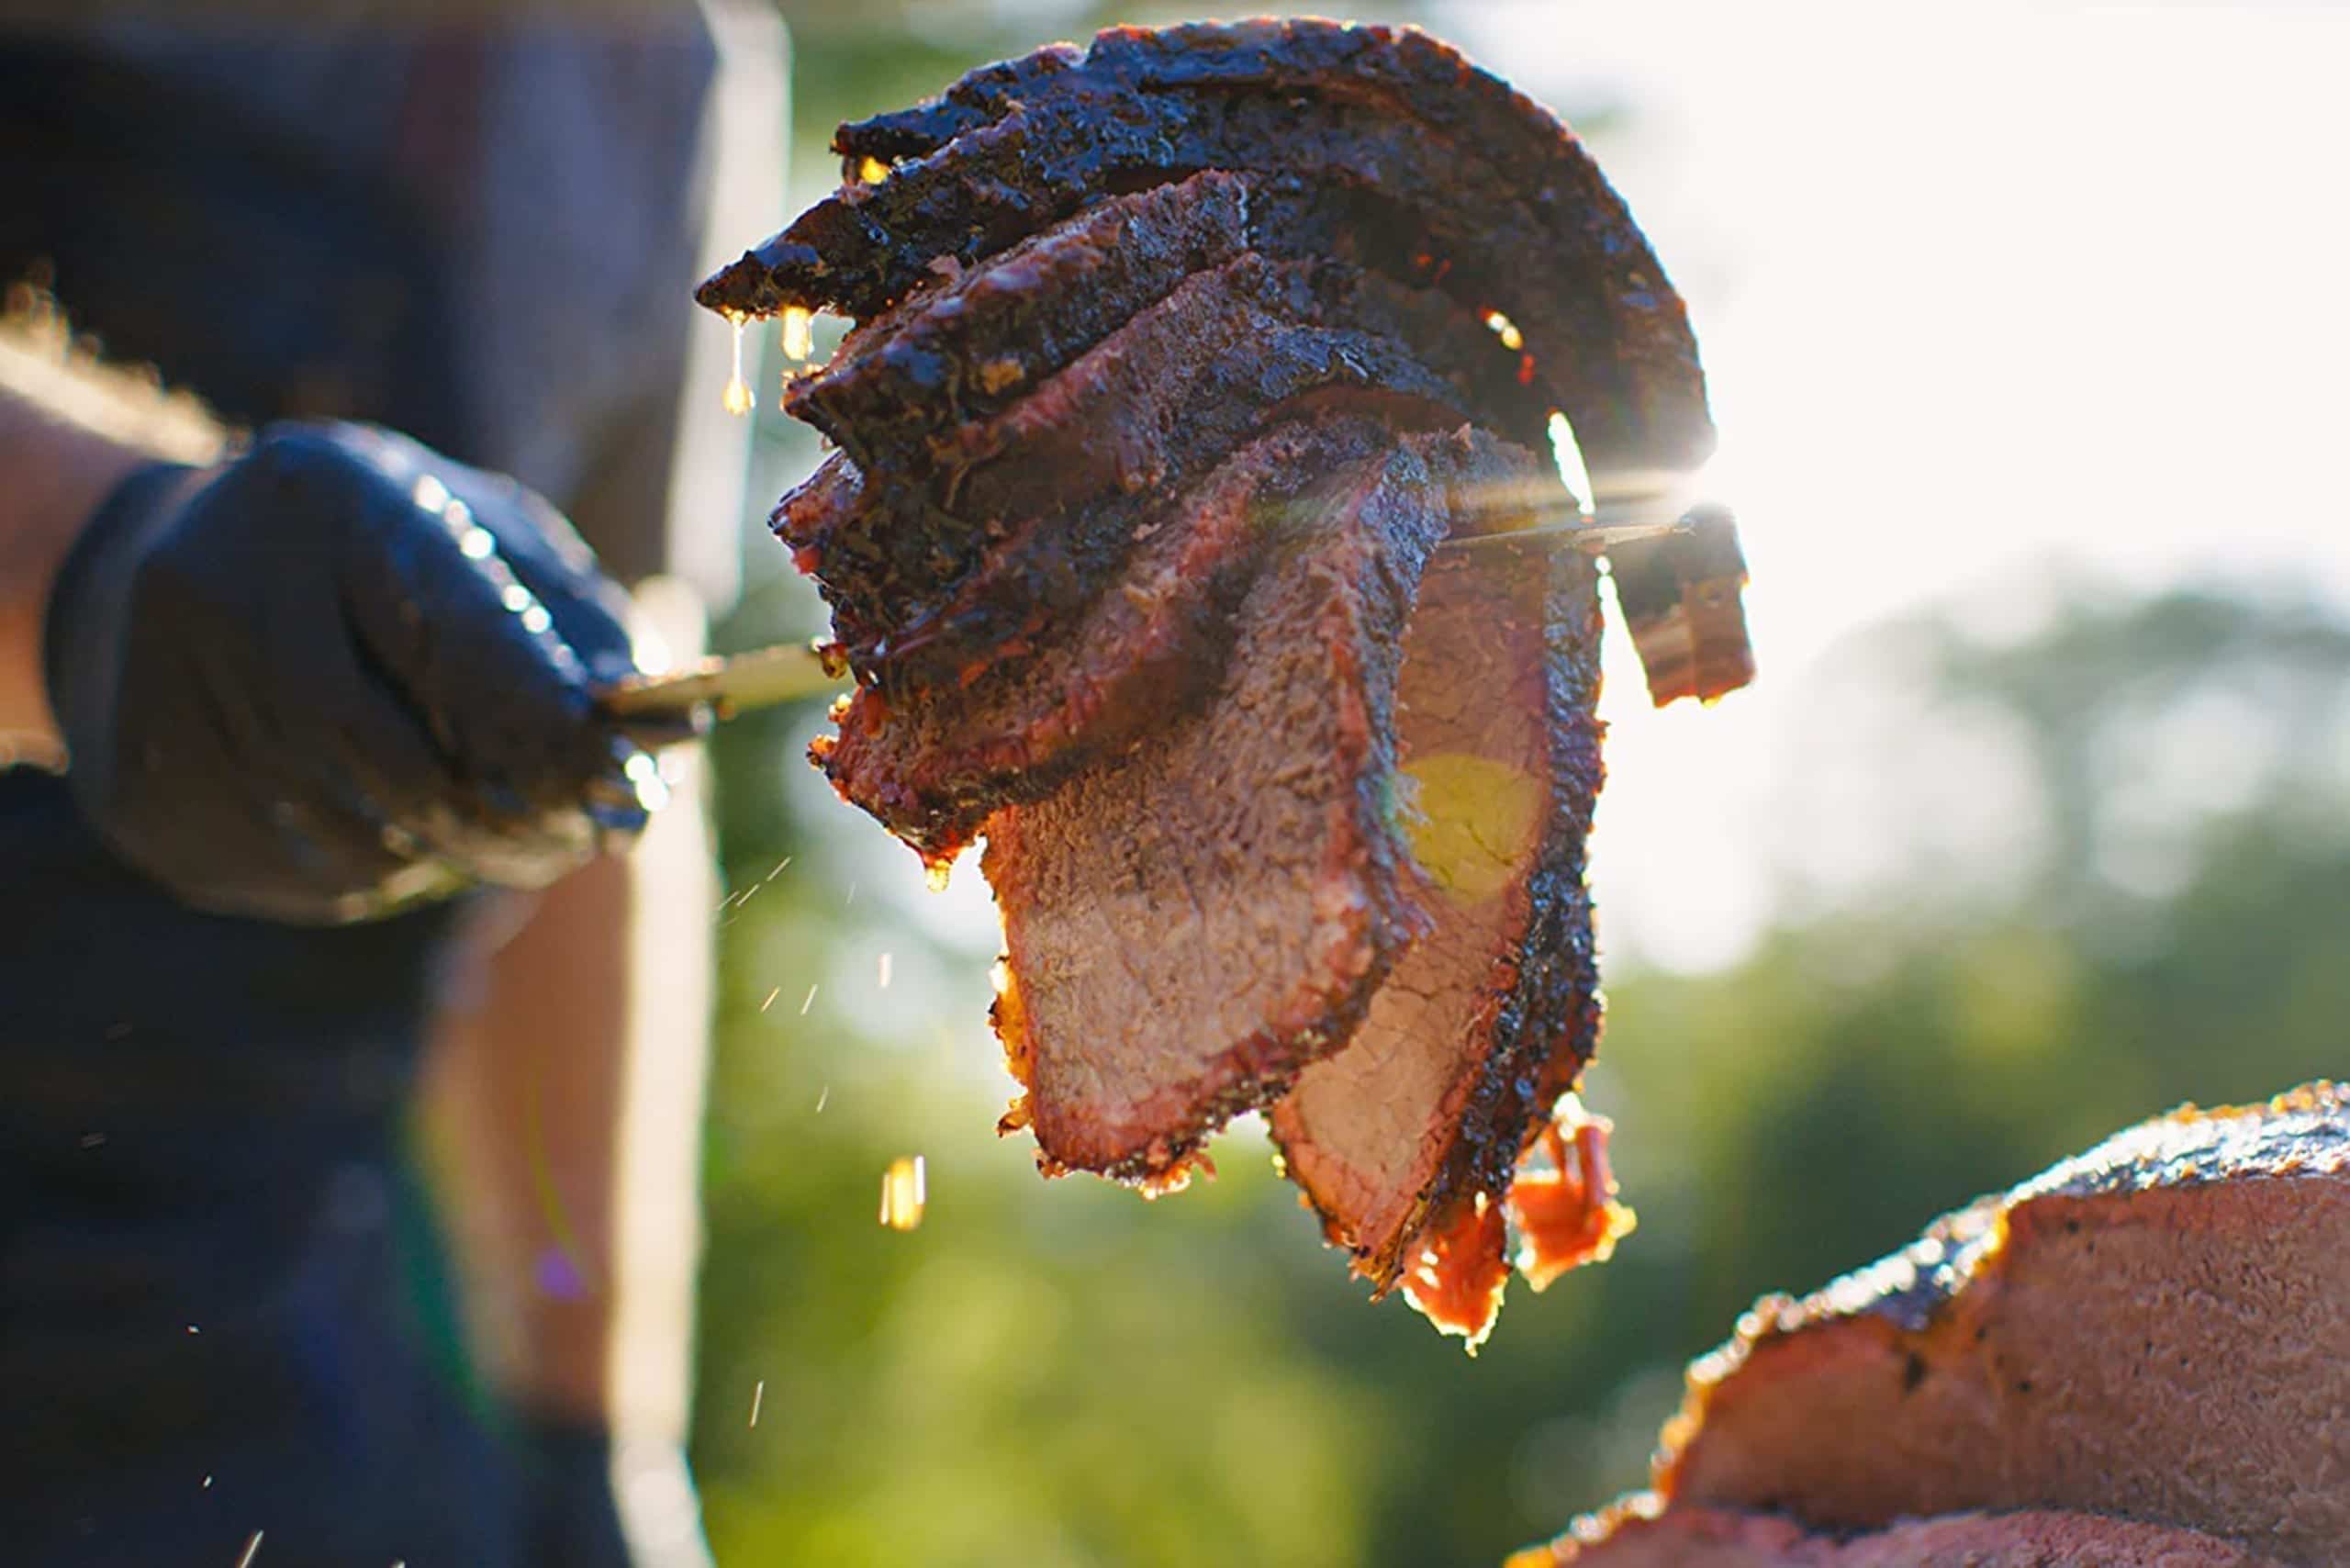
x,y
1176,361
2141,1358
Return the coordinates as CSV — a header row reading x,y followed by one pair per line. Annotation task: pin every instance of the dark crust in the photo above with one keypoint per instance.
x,y
1013,149
1049,492
1322,1016
962,351
1681,599
2303,1132
1546,1026
930,766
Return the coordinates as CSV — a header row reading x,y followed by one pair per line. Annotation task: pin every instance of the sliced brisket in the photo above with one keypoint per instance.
x,y
1028,513
1491,1016
931,763
1187,927
1183,356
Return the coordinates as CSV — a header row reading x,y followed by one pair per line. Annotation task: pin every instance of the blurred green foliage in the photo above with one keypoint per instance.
x,y
1056,1374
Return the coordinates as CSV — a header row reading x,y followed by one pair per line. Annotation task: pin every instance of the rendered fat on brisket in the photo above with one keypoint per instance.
x,y
2156,1329
1509,215
1186,928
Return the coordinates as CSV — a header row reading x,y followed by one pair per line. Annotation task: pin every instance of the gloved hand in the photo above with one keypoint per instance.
x,y
341,675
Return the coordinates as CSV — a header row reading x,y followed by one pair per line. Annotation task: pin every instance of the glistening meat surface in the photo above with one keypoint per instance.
x,y
1020,517
1200,379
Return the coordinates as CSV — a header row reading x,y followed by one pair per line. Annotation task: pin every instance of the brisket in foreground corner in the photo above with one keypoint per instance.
x,y
2134,1359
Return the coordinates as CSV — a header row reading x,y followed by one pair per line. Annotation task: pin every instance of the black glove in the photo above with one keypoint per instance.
x,y
339,675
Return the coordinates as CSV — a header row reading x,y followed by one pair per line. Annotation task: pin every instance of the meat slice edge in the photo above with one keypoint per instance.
x,y
931,765
1418,1126
1057,483
1188,928
956,354
1681,600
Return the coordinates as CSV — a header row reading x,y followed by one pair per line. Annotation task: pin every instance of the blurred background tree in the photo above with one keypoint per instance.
x,y
2031,879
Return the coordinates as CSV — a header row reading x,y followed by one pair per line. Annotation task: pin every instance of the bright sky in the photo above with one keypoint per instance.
x,y
1975,286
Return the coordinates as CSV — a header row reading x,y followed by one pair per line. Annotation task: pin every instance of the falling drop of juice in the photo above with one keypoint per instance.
x,y
903,1196
738,391
798,338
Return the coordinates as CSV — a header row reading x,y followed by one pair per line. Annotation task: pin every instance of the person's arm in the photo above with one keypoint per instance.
x,y
565,1091
300,579
327,678
71,429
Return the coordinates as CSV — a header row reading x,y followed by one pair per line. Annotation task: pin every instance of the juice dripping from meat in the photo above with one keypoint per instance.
x,y
738,390
798,333
1458,1279
1568,1215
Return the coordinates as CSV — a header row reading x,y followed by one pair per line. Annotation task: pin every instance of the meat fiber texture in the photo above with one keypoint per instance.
x,y
2156,1331
1198,383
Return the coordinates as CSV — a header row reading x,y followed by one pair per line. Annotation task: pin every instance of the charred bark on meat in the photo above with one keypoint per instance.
x,y
997,526
1178,358
1514,216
